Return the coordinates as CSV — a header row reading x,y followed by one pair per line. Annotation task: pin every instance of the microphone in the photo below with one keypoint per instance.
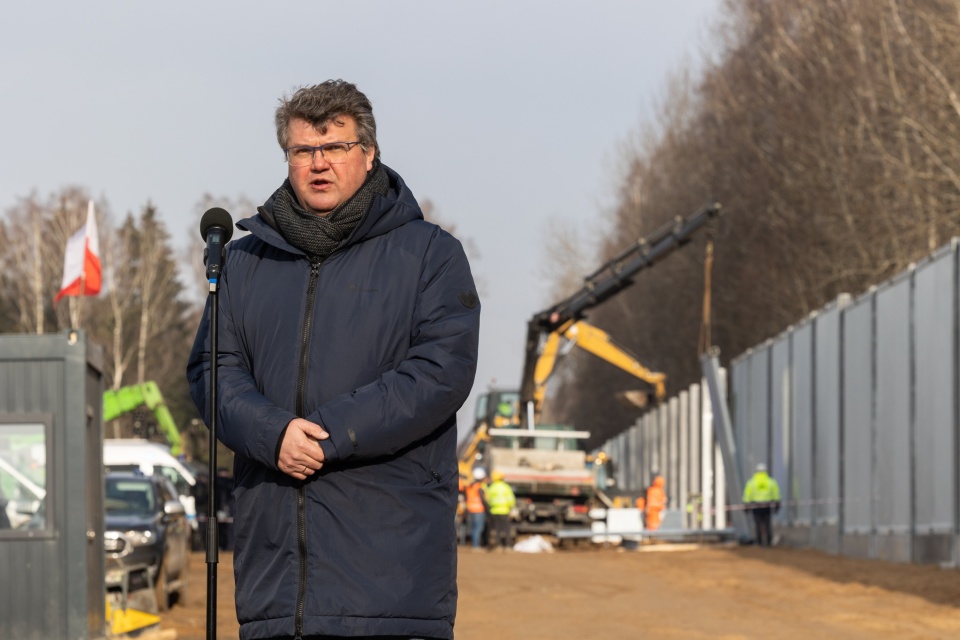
x,y
216,228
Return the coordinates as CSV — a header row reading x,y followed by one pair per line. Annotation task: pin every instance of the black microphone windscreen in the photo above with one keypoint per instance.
x,y
216,217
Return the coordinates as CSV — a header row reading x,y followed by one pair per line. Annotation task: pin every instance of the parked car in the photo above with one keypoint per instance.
x,y
153,458
146,535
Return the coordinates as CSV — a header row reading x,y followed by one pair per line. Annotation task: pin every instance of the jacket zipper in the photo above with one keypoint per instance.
x,y
301,491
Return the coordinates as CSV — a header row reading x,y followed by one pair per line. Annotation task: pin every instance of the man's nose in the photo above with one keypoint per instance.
x,y
319,162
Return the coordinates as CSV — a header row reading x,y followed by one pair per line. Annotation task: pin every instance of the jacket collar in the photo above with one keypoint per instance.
x,y
388,212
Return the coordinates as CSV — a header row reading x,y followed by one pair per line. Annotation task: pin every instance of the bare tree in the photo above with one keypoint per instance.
x,y
37,233
156,280
120,281
830,132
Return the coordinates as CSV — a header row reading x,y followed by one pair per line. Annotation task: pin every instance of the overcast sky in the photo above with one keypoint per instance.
x,y
509,116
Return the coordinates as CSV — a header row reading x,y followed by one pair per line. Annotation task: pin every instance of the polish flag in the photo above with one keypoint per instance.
x,y
81,262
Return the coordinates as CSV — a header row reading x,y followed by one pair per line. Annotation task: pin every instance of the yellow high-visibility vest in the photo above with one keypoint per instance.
x,y
761,488
500,498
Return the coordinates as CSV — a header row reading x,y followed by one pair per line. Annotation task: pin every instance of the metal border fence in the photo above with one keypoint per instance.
x,y
856,412
676,440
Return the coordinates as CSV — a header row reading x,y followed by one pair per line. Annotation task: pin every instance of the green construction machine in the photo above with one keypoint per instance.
x,y
117,402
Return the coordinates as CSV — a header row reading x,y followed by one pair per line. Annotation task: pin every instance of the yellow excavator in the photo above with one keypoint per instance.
x,y
496,409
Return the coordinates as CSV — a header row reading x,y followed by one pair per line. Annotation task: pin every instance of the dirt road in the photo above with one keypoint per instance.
x,y
666,592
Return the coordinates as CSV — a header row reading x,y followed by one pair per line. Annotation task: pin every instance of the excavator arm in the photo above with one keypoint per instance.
x,y
592,340
117,402
468,456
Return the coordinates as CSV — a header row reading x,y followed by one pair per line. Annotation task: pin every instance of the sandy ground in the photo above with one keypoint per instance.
x,y
664,591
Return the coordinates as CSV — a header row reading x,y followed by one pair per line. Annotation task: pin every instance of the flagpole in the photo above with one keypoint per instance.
x,y
83,287
83,270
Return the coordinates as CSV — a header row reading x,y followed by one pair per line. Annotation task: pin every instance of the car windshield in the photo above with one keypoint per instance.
x,y
129,497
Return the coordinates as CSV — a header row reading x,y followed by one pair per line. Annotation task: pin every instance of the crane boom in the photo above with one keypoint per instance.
x,y
610,279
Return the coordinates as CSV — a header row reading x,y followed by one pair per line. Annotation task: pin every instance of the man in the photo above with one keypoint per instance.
x,y
501,501
656,502
477,507
348,331
762,497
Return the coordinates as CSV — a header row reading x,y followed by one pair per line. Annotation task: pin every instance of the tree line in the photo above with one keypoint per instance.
x,y
830,132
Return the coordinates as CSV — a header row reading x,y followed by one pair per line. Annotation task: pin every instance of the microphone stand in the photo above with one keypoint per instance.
x,y
213,543
216,227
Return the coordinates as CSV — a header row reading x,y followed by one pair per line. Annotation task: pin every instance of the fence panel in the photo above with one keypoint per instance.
x,y
780,377
893,421
758,419
683,424
696,454
858,409
740,406
663,427
800,489
826,438
935,296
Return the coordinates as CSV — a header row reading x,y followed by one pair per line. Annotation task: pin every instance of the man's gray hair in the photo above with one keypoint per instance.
x,y
324,103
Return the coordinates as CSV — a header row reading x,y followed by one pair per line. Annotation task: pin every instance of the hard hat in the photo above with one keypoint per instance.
x,y
761,467
497,476
479,473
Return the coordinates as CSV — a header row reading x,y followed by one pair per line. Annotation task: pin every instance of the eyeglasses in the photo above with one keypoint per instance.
x,y
332,152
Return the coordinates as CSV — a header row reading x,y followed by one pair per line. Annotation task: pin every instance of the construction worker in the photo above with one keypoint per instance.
x,y
501,501
476,507
656,502
460,519
762,497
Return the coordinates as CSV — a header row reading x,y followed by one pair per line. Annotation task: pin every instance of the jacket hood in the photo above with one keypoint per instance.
x,y
387,212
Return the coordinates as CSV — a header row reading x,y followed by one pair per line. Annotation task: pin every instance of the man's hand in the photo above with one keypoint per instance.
x,y
300,452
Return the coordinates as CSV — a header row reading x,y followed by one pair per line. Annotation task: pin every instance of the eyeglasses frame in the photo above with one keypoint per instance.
x,y
314,149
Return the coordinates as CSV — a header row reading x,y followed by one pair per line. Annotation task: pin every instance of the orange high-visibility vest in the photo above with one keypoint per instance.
x,y
656,502
474,500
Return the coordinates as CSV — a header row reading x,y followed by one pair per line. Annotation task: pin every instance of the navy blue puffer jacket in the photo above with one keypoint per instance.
x,y
378,344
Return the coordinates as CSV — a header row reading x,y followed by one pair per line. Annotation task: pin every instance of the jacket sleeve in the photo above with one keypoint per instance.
x,y
408,403
247,422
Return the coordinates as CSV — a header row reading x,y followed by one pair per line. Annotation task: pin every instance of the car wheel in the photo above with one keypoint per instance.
x,y
160,586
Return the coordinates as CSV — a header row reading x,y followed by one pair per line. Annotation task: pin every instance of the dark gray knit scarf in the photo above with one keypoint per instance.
x,y
319,236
